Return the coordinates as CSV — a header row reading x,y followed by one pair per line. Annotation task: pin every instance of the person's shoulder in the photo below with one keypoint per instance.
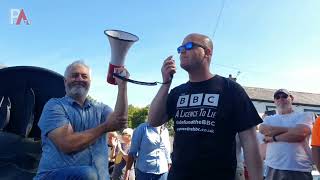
x,y
138,131
303,115
98,104
232,83
95,102
271,117
228,83
181,86
143,125
307,117
55,101
274,116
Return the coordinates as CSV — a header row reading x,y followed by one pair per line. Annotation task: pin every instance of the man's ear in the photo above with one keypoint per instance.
x,y
292,98
208,52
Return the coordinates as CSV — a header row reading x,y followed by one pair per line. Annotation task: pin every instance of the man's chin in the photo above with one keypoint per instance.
x,y
184,66
78,94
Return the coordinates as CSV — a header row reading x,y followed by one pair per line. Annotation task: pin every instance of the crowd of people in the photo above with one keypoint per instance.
x,y
140,154
214,123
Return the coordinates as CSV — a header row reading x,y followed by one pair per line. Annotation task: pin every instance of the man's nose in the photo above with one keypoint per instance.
x,y
79,78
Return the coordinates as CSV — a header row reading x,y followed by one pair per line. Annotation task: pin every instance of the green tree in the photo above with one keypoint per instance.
x,y
137,115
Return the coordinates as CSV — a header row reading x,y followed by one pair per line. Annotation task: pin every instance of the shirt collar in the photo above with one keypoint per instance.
x,y
154,128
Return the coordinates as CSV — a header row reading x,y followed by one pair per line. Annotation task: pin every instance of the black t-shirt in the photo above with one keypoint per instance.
x,y
207,115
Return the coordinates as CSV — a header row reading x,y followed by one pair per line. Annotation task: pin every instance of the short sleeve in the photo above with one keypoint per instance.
x,y
136,141
315,141
245,113
106,111
53,116
307,119
266,120
170,104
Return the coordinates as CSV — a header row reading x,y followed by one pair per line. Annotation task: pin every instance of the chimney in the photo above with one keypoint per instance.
x,y
232,78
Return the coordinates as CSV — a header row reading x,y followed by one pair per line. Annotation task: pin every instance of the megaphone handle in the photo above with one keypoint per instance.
x,y
141,82
134,81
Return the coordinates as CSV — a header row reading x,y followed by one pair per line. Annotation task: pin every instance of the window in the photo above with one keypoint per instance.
x,y
270,108
316,111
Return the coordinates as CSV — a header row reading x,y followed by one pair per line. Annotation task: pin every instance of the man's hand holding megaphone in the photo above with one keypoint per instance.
x,y
168,70
123,72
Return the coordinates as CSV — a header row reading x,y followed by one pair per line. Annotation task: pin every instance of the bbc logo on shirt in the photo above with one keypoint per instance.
x,y
192,100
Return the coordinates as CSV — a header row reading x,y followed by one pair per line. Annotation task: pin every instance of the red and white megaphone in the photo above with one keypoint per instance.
x,y
120,42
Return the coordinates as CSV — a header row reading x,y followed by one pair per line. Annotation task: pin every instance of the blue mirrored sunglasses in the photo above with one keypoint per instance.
x,y
187,46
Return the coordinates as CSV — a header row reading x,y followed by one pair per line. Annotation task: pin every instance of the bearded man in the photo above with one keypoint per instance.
x,y
73,128
287,134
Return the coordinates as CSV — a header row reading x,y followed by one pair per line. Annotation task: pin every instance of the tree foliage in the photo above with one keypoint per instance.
x,y
137,115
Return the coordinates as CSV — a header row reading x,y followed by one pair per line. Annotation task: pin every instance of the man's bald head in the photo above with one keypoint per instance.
x,y
199,38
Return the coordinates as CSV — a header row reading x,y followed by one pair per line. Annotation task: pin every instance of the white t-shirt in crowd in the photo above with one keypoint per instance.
x,y
288,155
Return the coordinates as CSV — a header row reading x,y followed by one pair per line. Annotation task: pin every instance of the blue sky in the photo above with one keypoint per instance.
x,y
273,43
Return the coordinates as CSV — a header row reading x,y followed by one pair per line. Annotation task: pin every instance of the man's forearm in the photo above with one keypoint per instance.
x,y
287,137
272,130
88,137
254,164
121,107
157,111
75,141
118,119
129,162
296,134
251,153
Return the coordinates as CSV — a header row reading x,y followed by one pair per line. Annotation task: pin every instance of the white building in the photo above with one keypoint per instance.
x,y
262,99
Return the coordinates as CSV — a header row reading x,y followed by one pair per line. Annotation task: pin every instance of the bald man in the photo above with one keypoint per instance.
x,y
208,111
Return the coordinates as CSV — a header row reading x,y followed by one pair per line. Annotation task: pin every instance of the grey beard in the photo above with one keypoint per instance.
x,y
77,92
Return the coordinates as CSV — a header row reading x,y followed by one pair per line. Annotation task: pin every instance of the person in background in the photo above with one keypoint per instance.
x,y
287,134
240,171
73,128
122,150
208,111
112,143
315,143
150,147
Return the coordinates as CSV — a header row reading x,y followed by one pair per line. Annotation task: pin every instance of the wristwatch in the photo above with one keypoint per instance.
x,y
274,138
